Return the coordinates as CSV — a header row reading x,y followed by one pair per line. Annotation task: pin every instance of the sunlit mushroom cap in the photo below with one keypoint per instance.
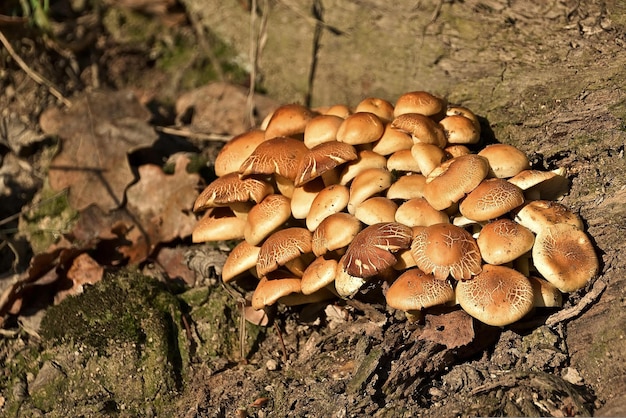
x,y
391,141
415,290
320,129
402,161
303,196
367,184
419,102
265,217
335,232
280,155
232,188
564,255
241,259
360,128
453,179
320,273
235,151
460,130
288,120
267,291
375,210
491,199
380,107
421,128
463,111
504,240
497,296
546,295
331,199
218,224
366,159
427,157
445,249
505,160
322,158
281,247
538,184
408,186
537,215
372,249
418,212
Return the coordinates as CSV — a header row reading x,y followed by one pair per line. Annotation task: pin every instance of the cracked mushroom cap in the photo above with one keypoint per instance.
x,y
288,120
235,151
232,188
491,199
335,232
497,296
421,128
265,217
280,155
322,158
282,247
505,160
371,251
445,249
419,102
218,224
415,290
564,255
504,240
242,258
360,128
453,179
268,291
540,214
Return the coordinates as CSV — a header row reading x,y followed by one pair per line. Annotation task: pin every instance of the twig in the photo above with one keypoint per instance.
x,y
257,42
194,135
39,79
585,301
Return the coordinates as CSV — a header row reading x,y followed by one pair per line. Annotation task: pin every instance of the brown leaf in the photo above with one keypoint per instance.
x,y
172,260
98,132
452,329
84,270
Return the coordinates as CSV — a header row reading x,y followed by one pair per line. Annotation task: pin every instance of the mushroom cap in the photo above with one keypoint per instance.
x,y
288,120
295,299
564,255
456,150
445,249
235,151
371,249
460,130
334,232
322,158
504,240
265,217
380,107
463,111
218,224
537,184
546,295
391,141
241,259
331,199
341,110
497,296
402,161
232,188
421,128
408,186
537,215
419,102
268,291
492,198
366,159
418,212
505,160
427,157
281,247
415,290
360,128
320,129
375,210
303,196
368,183
453,179
320,273
280,155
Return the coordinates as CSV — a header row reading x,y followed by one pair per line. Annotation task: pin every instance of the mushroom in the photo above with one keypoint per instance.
x,y
391,141
497,296
303,196
265,217
402,161
419,102
331,199
267,291
540,214
375,210
504,240
232,188
288,120
218,224
320,129
463,111
445,249
242,258
360,128
322,158
380,107
319,274
408,186
460,130
537,184
282,247
546,295
335,232
366,184
235,151
418,212
505,160
421,128
427,157
366,159
491,199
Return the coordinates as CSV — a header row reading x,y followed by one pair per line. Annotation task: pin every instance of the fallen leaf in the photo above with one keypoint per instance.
x,y
84,270
452,329
172,261
97,132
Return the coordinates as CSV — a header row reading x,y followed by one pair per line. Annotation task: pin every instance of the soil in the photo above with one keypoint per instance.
x,y
352,358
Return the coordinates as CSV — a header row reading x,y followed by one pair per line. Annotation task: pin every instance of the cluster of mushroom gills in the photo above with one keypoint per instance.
x,y
399,196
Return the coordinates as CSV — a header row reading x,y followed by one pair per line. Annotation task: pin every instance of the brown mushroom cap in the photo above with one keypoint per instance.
x,y
391,141
504,240
537,184
546,295
218,224
460,130
280,155
418,212
320,273
281,247
241,259
564,255
303,196
415,290
360,128
232,188
371,250
322,158
235,151
408,186
492,198
453,179
445,249
265,217
366,184
463,111
331,199
421,128
267,292
375,210
402,161
366,159
335,232
505,160
497,296
540,214
419,102
380,107
427,157
320,129
288,120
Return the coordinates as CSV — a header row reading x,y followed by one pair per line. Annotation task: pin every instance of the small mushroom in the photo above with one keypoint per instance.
x,y
268,291
266,217
322,158
232,188
331,199
427,157
402,161
491,199
421,128
460,130
360,128
546,295
418,212
375,210
505,160
503,241
380,107
218,224
537,215
288,120
303,196
335,232
408,186
320,129
365,160
419,102
280,156
391,141
367,184
241,259
281,247
319,274
537,184
235,151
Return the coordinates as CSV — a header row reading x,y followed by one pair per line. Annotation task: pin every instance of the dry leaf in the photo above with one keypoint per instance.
x,y
84,270
453,329
97,134
172,261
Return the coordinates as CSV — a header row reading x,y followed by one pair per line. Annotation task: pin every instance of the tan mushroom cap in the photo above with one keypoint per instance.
x,y
460,130
281,247
375,210
322,158
303,196
279,155
418,212
268,292
408,186
331,199
218,224
537,215
235,151
391,141
456,150
505,160
419,102
366,159
421,128
415,290
295,299
232,188
335,232
546,295
288,120
341,110
371,251
498,296
241,259
427,157
504,240
366,184
402,161
564,255
537,184
380,107
360,128
320,129
491,199
265,217
445,249
464,111
453,179
319,274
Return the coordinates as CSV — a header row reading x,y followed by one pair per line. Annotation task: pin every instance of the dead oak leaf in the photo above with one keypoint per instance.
x,y
97,134
453,329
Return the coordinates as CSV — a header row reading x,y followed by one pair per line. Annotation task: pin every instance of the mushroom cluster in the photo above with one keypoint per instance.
x,y
403,196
